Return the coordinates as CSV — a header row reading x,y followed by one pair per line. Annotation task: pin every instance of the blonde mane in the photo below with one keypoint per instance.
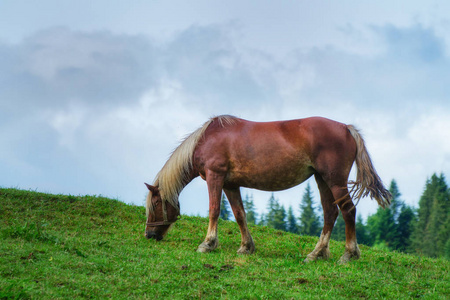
x,y
175,174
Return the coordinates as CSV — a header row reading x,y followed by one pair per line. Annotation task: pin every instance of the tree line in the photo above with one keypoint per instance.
x,y
424,230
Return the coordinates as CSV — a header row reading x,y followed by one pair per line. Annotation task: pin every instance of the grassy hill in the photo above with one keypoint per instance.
x,y
58,246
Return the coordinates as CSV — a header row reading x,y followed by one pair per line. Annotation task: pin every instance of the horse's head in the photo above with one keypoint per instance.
x,y
160,214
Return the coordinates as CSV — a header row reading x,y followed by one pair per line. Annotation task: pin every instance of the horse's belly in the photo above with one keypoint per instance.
x,y
273,176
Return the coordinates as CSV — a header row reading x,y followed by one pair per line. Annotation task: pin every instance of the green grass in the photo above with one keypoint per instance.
x,y
61,247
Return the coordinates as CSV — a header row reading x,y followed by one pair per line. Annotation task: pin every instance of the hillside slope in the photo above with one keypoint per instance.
x,y
58,246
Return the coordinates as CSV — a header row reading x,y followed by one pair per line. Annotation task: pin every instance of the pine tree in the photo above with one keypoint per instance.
x,y
382,225
437,228
447,249
362,234
373,226
262,220
308,222
291,221
396,239
272,206
276,216
280,219
224,208
249,207
444,236
431,231
396,203
405,223
423,215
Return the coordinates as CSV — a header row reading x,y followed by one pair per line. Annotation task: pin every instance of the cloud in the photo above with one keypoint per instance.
x,y
55,67
415,44
208,66
410,71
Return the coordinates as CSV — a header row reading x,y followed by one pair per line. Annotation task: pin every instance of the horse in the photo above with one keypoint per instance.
x,y
228,153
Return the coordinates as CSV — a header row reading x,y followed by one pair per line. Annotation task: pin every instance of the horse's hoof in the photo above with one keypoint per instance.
x,y
307,260
310,258
324,254
349,256
344,259
246,250
205,247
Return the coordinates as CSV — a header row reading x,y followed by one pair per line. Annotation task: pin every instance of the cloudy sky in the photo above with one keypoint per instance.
x,y
94,95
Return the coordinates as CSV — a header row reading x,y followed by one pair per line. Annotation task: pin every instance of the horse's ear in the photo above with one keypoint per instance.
x,y
151,188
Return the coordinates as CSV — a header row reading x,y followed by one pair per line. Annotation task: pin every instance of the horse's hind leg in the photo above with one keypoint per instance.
x,y
348,211
215,184
247,244
330,213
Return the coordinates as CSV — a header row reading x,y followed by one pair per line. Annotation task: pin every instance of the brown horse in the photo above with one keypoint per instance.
x,y
230,153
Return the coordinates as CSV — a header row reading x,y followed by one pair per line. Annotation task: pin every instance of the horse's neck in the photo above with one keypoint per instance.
x,y
192,175
171,194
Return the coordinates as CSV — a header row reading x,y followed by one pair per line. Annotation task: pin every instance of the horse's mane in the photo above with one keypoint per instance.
x,y
174,176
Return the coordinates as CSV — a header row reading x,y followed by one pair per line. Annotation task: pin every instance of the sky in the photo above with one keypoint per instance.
x,y
94,95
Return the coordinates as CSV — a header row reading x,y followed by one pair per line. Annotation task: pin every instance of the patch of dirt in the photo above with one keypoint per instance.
x,y
209,266
226,267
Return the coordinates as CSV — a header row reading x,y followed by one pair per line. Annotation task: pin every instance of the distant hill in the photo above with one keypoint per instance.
x,y
60,246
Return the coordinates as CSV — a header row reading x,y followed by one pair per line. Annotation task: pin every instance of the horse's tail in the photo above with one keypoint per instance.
x,y
367,183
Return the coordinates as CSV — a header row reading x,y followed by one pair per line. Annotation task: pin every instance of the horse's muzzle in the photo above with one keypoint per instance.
x,y
153,235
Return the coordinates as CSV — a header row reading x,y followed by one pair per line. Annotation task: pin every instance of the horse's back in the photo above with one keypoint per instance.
x,y
298,132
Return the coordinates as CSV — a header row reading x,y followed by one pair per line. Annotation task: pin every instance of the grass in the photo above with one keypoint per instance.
x,y
59,247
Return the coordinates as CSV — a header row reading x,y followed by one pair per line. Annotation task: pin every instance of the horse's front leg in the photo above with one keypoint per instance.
x,y
215,184
247,244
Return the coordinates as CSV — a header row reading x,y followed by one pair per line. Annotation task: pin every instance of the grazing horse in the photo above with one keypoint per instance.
x,y
230,153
